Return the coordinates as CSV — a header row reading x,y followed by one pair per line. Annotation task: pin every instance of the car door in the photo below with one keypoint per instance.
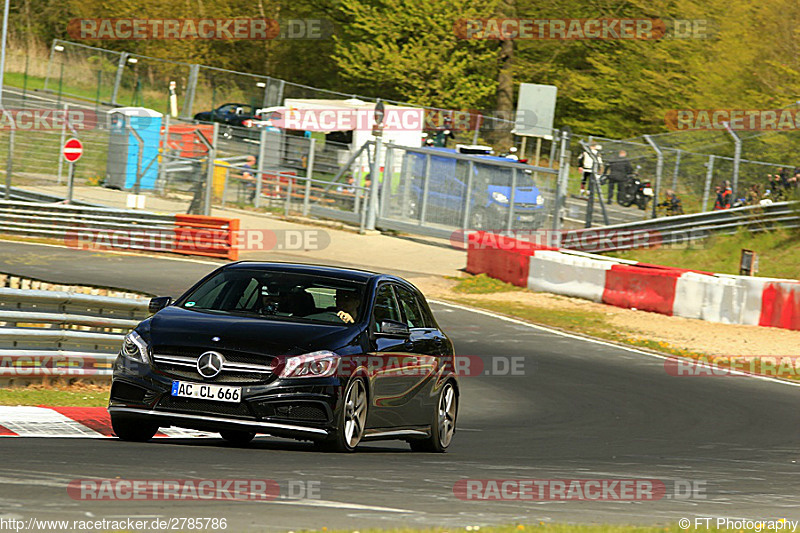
x,y
426,345
391,365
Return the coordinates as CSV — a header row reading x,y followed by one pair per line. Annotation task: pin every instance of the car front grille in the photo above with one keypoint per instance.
x,y
237,368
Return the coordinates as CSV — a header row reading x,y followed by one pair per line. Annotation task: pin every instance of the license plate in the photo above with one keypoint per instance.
x,y
203,391
526,218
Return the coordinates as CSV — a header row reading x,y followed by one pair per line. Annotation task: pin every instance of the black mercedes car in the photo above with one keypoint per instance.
x,y
330,355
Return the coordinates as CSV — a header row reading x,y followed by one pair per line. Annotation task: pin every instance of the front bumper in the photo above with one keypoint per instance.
x,y
296,408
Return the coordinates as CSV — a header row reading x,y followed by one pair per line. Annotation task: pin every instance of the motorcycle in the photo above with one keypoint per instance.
x,y
634,191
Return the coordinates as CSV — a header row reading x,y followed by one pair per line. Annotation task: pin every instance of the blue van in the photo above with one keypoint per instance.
x,y
490,192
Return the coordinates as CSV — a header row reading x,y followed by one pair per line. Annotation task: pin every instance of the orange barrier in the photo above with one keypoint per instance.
x,y
207,236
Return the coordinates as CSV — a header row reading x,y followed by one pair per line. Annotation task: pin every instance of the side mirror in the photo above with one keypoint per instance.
x,y
393,329
158,303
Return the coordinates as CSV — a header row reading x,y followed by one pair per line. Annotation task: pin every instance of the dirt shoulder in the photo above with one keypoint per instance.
x,y
668,334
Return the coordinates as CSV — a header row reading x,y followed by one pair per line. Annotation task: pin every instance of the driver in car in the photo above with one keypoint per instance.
x,y
347,305
271,301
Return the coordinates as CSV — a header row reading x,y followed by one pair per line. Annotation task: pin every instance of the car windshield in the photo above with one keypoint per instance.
x,y
279,296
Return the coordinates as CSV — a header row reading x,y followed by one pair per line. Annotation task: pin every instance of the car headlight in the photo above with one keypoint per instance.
x,y
321,364
539,200
134,347
499,197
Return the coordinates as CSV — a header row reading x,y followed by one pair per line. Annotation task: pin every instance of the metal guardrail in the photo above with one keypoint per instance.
x,y
59,221
682,229
81,226
21,195
63,334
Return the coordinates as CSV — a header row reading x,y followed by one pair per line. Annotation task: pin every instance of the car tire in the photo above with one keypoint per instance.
x,y
132,430
351,420
238,438
443,426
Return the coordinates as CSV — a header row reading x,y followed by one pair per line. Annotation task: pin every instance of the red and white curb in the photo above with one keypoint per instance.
x,y
71,422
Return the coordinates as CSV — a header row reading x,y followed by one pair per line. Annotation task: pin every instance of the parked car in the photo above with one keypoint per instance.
x,y
489,192
330,355
236,120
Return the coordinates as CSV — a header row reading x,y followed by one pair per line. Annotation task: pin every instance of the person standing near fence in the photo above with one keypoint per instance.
x,y
248,178
586,164
724,196
618,171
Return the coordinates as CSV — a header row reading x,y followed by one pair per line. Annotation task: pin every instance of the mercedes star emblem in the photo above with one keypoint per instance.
x,y
209,364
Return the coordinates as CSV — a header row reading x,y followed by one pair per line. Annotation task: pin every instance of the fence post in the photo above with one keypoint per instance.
x,y
212,155
50,63
139,155
659,171
737,156
10,158
563,177
123,59
388,177
374,183
510,222
425,189
468,195
63,140
675,171
191,87
709,177
556,134
262,162
288,205
309,176
162,170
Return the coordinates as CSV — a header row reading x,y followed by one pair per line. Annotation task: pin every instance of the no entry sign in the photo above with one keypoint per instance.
x,y
73,150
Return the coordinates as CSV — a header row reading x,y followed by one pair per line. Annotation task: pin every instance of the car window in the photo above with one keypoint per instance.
x,y
386,307
411,310
427,317
227,108
276,295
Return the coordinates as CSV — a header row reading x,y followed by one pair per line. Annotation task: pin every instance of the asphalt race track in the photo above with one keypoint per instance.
x,y
580,410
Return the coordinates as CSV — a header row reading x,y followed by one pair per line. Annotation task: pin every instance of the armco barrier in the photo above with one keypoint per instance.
x,y
670,291
63,334
82,226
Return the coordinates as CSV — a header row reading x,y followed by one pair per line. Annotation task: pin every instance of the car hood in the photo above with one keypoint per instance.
x,y
176,328
522,195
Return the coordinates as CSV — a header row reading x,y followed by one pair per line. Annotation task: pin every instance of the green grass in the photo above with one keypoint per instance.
x,y
585,322
483,284
778,253
56,395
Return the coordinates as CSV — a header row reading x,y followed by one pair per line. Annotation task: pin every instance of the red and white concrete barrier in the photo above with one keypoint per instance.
x,y
671,291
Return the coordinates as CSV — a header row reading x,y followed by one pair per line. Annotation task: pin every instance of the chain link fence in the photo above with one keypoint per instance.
x,y
421,188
